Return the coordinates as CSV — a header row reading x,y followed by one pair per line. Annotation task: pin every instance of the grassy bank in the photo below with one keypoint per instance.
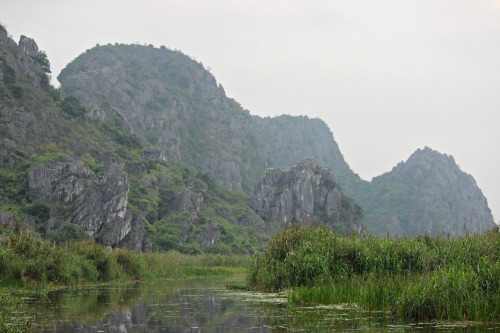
x,y
419,279
31,265
26,260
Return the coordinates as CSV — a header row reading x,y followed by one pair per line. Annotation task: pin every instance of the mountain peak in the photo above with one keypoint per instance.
x,y
28,45
427,194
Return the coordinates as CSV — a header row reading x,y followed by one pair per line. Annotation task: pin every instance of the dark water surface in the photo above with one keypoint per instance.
x,y
206,305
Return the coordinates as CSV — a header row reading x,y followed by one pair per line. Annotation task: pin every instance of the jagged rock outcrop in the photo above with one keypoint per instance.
x,y
18,60
76,195
28,45
426,195
305,194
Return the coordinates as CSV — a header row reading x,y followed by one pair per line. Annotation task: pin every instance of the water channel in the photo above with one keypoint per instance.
x,y
206,305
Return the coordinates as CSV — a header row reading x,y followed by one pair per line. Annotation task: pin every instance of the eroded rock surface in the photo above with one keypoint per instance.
x,y
77,195
305,194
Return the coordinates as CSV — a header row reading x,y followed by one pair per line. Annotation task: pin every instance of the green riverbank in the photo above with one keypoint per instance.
x,y
30,265
415,279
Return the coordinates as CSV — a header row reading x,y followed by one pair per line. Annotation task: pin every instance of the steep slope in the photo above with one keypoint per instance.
x,y
70,172
287,140
177,106
426,195
35,189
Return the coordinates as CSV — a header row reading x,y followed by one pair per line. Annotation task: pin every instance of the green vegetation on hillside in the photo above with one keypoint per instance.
x,y
177,106
420,278
34,124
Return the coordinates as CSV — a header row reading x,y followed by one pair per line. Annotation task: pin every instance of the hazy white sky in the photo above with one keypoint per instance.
x,y
387,76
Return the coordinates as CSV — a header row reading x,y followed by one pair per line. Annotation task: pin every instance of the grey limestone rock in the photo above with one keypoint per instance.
x,y
305,194
76,195
7,219
28,45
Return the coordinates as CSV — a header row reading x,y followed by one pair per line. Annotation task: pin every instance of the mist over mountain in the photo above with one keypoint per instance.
x,y
426,195
142,148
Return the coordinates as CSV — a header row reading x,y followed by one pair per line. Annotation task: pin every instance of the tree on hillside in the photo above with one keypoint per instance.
x,y
43,60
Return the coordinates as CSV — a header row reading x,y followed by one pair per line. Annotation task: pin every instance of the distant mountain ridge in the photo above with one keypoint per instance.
x,y
427,194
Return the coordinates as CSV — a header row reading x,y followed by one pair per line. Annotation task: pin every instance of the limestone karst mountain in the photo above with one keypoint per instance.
x,y
142,148
426,195
176,105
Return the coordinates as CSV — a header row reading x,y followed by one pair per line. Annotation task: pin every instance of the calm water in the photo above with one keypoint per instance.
x,y
205,306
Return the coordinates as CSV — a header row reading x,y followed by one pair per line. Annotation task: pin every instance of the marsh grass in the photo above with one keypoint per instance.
x,y
27,259
419,279
30,264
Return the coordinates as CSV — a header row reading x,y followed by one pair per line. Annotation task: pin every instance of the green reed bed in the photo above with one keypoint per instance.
x,y
420,278
30,265
28,259
175,265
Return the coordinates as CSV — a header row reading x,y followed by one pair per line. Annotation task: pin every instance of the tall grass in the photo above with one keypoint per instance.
x,y
420,278
27,260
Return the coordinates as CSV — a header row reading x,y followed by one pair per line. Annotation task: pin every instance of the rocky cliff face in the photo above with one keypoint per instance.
x,y
76,195
426,195
305,194
18,59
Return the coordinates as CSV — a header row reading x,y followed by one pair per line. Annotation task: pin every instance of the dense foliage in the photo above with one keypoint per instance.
x,y
418,278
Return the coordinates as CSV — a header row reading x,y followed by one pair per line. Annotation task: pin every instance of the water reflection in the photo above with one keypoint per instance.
x,y
204,306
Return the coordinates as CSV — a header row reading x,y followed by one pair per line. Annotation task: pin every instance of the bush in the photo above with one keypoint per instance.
x,y
69,232
128,263
73,107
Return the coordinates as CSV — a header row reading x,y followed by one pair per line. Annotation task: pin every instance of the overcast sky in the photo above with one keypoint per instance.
x,y
387,76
